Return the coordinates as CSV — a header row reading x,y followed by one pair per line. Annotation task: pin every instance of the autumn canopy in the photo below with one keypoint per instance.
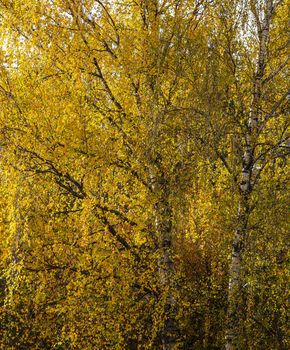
x,y
143,174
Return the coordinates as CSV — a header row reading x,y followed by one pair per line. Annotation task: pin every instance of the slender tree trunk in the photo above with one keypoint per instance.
x,y
166,270
235,288
160,185
236,310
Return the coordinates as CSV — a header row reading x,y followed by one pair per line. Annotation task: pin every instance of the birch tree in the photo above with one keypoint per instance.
x,y
258,105
147,141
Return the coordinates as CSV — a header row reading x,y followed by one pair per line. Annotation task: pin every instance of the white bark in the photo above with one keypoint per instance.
x,y
166,270
235,288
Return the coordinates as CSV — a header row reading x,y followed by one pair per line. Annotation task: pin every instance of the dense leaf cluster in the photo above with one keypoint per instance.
x,y
143,174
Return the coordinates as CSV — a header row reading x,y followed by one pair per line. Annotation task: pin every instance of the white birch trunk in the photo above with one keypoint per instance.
x,y
166,270
235,287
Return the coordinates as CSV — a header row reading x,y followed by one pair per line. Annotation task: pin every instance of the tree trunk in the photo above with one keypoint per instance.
x,y
235,288
166,269
235,312
163,224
